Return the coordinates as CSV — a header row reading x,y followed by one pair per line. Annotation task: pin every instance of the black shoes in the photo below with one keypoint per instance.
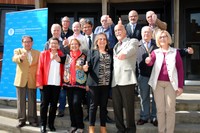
x,y
154,122
21,124
52,128
60,114
109,120
34,124
72,130
43,129
86,118
141,122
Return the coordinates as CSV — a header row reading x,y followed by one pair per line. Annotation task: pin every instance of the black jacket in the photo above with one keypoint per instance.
x,y
93,71
137,31
142,68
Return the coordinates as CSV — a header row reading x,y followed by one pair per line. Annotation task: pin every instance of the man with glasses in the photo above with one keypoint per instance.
x,y
26,60
65,33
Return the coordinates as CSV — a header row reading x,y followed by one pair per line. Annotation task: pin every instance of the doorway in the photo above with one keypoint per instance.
x,y
192,39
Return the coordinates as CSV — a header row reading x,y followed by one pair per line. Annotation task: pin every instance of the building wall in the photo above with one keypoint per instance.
x,y
31,2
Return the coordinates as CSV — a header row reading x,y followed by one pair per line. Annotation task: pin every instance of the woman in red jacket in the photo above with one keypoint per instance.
x,y
49,80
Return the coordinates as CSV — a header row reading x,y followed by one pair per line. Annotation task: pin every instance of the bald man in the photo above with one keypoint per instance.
x,y
124,80
133,29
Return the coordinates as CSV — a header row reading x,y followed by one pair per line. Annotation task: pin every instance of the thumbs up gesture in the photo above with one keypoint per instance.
x,y
120,21
148,59
65,42
23,56
85,67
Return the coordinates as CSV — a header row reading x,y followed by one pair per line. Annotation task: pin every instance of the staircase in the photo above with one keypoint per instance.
x,y
187,116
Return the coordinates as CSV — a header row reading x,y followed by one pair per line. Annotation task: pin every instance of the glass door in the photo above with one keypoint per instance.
x,y
192,39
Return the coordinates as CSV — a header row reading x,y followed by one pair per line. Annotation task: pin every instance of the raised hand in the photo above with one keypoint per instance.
x,y
121,56
54,56
85,67
120,21
148,59
65,42
154,18
23,56
190,50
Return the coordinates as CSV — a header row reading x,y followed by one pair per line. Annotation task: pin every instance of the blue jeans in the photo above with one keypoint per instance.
x,y
62,99
145,91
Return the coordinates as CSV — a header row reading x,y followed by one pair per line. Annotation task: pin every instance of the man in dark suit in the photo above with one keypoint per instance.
x,y
89,35
133,29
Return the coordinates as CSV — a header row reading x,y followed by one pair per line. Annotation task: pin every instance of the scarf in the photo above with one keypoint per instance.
x,y
74,55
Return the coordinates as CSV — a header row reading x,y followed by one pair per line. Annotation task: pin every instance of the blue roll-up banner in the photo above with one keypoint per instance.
x,y
28,22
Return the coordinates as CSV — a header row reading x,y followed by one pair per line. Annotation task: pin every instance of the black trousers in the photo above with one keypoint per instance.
x,y
49,97
98,96
75,98
123,97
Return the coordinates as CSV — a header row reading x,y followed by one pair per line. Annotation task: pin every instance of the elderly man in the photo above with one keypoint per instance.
x,y
56,32
66,31
155,23
133,29
26,59
124,80
147,45
107,27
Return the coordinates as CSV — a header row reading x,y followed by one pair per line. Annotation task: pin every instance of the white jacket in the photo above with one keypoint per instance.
x,y
171,67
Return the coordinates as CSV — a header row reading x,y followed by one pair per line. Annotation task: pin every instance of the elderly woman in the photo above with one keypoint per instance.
x,y
99,76
74,82
166,80
49,80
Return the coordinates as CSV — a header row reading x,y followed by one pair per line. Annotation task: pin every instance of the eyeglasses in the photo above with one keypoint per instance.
x,y
163,37
27,41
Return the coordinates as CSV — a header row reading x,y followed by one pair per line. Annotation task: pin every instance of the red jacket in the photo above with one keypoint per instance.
x,y
44,66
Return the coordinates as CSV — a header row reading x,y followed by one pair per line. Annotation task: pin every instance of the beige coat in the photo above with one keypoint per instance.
x,y
25,72
124,70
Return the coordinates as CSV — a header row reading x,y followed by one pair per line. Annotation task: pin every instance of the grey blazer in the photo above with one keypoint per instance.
x,y
124,70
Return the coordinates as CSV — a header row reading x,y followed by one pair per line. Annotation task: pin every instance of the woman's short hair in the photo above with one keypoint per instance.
x,y
158,35
75,40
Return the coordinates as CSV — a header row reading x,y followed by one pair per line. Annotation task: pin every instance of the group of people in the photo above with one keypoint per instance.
x,y
112,60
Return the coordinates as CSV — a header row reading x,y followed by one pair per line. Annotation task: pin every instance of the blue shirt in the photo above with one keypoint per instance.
x,y
109,33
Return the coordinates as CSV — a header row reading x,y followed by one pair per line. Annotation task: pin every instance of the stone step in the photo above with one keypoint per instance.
x,y
8,126
181,116
185,102
192,89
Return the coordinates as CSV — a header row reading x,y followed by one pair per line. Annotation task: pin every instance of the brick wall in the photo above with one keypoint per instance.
x,y
30,2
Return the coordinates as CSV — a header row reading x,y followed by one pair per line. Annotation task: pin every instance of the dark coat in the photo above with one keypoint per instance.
x,y
137,31
93,71
142,68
